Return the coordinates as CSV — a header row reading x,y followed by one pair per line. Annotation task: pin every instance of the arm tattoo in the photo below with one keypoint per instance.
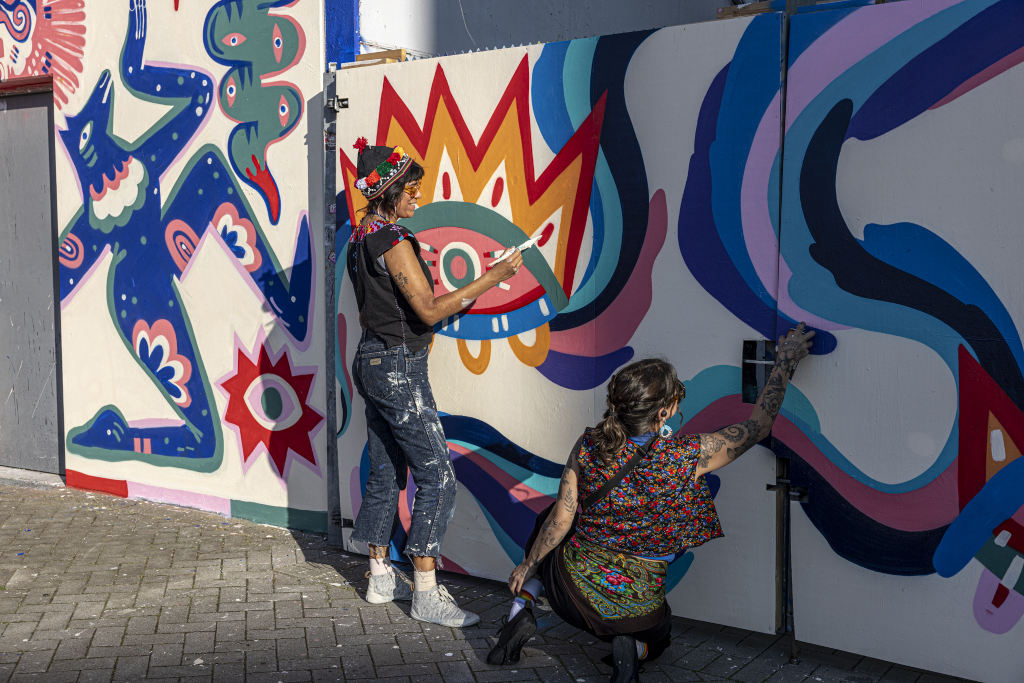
x,y
402,281
567,494
551,534
775,390
740,437
554,529
709,445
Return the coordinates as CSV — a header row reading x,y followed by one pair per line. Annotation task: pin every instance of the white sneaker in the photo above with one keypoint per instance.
x,y
437,606
387,587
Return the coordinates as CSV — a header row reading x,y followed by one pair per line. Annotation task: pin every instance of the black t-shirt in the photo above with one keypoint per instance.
x,y
383,309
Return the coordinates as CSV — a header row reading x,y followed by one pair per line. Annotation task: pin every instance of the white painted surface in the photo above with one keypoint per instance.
x,y
919,621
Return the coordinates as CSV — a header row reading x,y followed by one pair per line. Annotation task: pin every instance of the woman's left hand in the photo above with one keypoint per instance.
x,y
520,575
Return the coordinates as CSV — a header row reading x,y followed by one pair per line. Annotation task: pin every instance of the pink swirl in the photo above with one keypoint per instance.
x,y
17,22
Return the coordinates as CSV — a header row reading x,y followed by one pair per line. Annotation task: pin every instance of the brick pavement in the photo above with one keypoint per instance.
x,y
98,588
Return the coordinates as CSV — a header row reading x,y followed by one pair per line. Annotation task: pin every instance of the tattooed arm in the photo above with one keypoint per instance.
x,y
405,270
557,525
718,449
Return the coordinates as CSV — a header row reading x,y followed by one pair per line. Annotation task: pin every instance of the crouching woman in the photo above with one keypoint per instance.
x,y
642,500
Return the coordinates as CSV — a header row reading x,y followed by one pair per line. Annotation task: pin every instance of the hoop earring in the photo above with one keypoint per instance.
x,y
665,431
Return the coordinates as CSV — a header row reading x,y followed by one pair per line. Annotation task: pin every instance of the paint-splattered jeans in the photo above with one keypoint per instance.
x,y
403,431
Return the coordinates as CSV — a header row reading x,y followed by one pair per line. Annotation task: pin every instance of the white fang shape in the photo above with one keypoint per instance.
x,y
995,439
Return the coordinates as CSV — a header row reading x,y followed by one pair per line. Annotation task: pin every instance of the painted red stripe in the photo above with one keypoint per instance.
x,y
1002,592
115,487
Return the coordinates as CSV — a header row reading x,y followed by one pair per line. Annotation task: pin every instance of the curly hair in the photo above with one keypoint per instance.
x,y
385,204
636,394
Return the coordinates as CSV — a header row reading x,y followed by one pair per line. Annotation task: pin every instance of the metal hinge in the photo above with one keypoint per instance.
x,y
795,493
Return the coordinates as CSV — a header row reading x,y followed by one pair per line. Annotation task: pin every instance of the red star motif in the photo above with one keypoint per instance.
x,y
267,406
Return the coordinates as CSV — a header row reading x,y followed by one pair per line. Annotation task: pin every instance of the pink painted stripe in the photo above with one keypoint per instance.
x,y
517,489
1006,63
928,507
151,422
615,326
450,565
177,497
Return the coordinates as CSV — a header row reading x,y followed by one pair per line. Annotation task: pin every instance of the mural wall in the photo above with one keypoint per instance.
x,y
191,339
901,207
650,167
894,238
578,144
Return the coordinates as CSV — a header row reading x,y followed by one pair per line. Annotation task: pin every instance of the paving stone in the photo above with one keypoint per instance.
x,y
901,674
261,661
830,673
131,668
48,677
34,662
328,675
201,641
699,657
872,667
507,674
279,677
166,654
83,664
358,667
929,677
108,635
726,665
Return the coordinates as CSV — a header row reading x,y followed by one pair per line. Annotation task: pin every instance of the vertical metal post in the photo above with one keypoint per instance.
x,y
785,620
334,524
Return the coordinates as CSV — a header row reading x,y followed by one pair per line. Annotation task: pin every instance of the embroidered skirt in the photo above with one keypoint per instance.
x,y
614,592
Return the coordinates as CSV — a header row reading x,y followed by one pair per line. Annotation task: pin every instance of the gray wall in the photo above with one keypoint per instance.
x,y
29,426
437,27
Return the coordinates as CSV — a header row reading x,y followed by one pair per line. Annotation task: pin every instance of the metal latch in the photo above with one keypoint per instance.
x,y
338,103
758,360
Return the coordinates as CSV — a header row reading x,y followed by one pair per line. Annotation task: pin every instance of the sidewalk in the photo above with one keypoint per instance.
x,y
98,588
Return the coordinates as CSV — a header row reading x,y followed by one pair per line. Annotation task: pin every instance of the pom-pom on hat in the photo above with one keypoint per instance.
x,y
379,167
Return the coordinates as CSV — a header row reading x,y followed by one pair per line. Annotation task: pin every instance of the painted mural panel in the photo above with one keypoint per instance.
x,y
901,212
188,302
586,145
43,37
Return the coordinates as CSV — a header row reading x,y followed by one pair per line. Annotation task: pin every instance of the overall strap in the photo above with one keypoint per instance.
x,y
619,475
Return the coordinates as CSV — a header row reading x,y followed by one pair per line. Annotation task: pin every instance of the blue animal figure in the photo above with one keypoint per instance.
x,y
152,242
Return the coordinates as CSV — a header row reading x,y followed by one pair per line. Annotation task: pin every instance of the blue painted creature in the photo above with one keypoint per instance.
x,y
152,242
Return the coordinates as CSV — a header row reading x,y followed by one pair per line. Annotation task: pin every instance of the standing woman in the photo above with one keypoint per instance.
x,y
608,578
398,311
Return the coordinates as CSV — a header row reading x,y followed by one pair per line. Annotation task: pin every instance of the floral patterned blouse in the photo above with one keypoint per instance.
x,y
658,509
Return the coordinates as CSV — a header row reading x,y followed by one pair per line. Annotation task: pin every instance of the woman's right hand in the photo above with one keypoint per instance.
x,y
794,346
503,270
520,575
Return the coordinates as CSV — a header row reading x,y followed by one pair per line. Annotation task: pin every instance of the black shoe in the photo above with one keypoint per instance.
x,y
512,636
625,662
